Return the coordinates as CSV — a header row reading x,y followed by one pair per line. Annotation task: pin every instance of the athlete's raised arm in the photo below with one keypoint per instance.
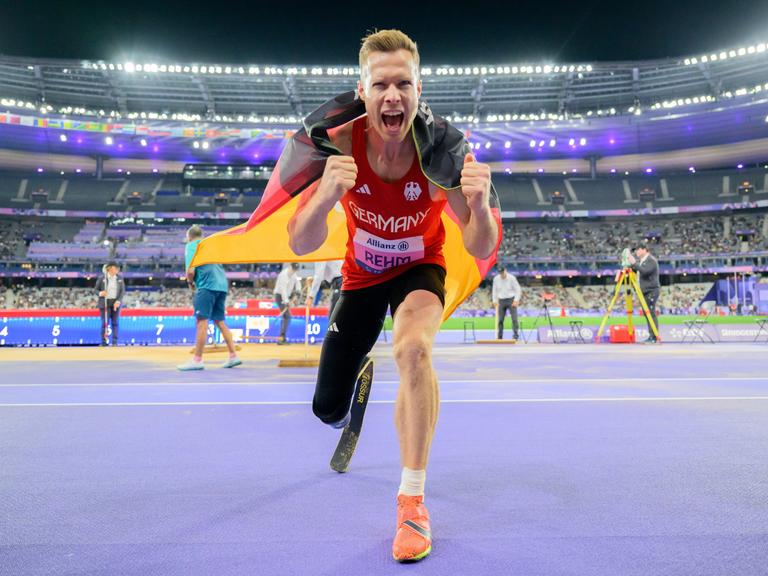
x,y
307,228
470,203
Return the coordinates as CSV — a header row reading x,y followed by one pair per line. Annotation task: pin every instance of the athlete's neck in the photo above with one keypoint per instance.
x,y
389,160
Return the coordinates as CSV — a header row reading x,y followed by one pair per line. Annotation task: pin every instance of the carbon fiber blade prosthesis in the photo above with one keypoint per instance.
x,y
351,433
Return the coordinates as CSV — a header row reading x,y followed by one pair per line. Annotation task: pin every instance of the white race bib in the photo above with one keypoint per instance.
x,y
377,255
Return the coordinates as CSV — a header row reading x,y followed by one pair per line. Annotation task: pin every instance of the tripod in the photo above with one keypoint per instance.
x,y
544,314
627,279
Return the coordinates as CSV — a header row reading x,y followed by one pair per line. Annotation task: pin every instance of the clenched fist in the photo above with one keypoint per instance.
x,y
475,183
339,176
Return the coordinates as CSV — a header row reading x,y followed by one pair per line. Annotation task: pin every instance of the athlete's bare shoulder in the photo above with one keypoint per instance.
x,y
436,193
341,137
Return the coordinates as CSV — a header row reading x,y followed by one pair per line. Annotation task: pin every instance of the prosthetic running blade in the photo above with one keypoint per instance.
x,y
351,433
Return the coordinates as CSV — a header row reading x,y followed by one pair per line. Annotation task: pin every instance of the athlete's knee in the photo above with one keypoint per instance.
x,y
412,351
329,410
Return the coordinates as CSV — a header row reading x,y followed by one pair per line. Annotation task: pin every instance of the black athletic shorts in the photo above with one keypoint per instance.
x,y
429,277
354,327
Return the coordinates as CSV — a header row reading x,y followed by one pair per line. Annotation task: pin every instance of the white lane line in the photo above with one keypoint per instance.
x,y
468,381
457,401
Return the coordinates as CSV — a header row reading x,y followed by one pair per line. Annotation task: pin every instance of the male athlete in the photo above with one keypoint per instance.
x,y
394,259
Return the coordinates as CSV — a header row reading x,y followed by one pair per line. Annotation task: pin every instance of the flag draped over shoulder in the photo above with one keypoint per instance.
x,y
264,237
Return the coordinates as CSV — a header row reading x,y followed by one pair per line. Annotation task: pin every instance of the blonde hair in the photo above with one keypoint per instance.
x,y
387,41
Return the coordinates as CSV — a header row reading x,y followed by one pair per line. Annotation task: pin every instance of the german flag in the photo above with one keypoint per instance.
x,y
264,238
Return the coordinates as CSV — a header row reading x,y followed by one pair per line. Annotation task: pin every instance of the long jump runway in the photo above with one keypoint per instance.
x,y
548,460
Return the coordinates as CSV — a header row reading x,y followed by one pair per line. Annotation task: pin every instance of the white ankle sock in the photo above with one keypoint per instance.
x,y
412,482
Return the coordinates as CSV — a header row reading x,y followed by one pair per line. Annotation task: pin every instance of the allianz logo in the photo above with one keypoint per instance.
x,y
739,331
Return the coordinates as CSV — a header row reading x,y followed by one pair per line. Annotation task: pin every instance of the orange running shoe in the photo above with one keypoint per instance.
x,y
413,540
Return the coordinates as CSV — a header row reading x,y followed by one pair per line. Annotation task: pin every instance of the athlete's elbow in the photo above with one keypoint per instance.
x,y
297,247
482,252
295,240
482,247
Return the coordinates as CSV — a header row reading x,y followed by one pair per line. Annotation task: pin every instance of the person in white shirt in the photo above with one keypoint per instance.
x,y
505,296
286,285
330,272
111,288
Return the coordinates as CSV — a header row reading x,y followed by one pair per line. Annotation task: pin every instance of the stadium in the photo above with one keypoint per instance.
x,y
113,161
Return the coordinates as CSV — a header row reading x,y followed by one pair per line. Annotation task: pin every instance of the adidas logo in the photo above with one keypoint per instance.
x,y
333,328
364,190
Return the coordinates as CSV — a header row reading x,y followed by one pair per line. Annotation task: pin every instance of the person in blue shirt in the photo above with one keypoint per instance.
x,y
209,286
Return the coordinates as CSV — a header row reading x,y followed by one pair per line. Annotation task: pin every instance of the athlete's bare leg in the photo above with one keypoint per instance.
x,y
416,322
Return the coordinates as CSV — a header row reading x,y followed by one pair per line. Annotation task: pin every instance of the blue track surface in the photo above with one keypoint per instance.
x,y
548,460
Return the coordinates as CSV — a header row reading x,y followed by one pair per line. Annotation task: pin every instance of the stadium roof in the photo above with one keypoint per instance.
x,y
263,94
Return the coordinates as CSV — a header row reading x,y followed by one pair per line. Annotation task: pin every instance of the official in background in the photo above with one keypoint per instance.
x,y
330,272
286,286
647,268
505,295
111,288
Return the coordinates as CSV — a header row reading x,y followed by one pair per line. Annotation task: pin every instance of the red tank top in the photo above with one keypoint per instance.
x,y
392,226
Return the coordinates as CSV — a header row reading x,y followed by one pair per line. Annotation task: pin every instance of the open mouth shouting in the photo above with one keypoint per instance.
x,y
393,121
